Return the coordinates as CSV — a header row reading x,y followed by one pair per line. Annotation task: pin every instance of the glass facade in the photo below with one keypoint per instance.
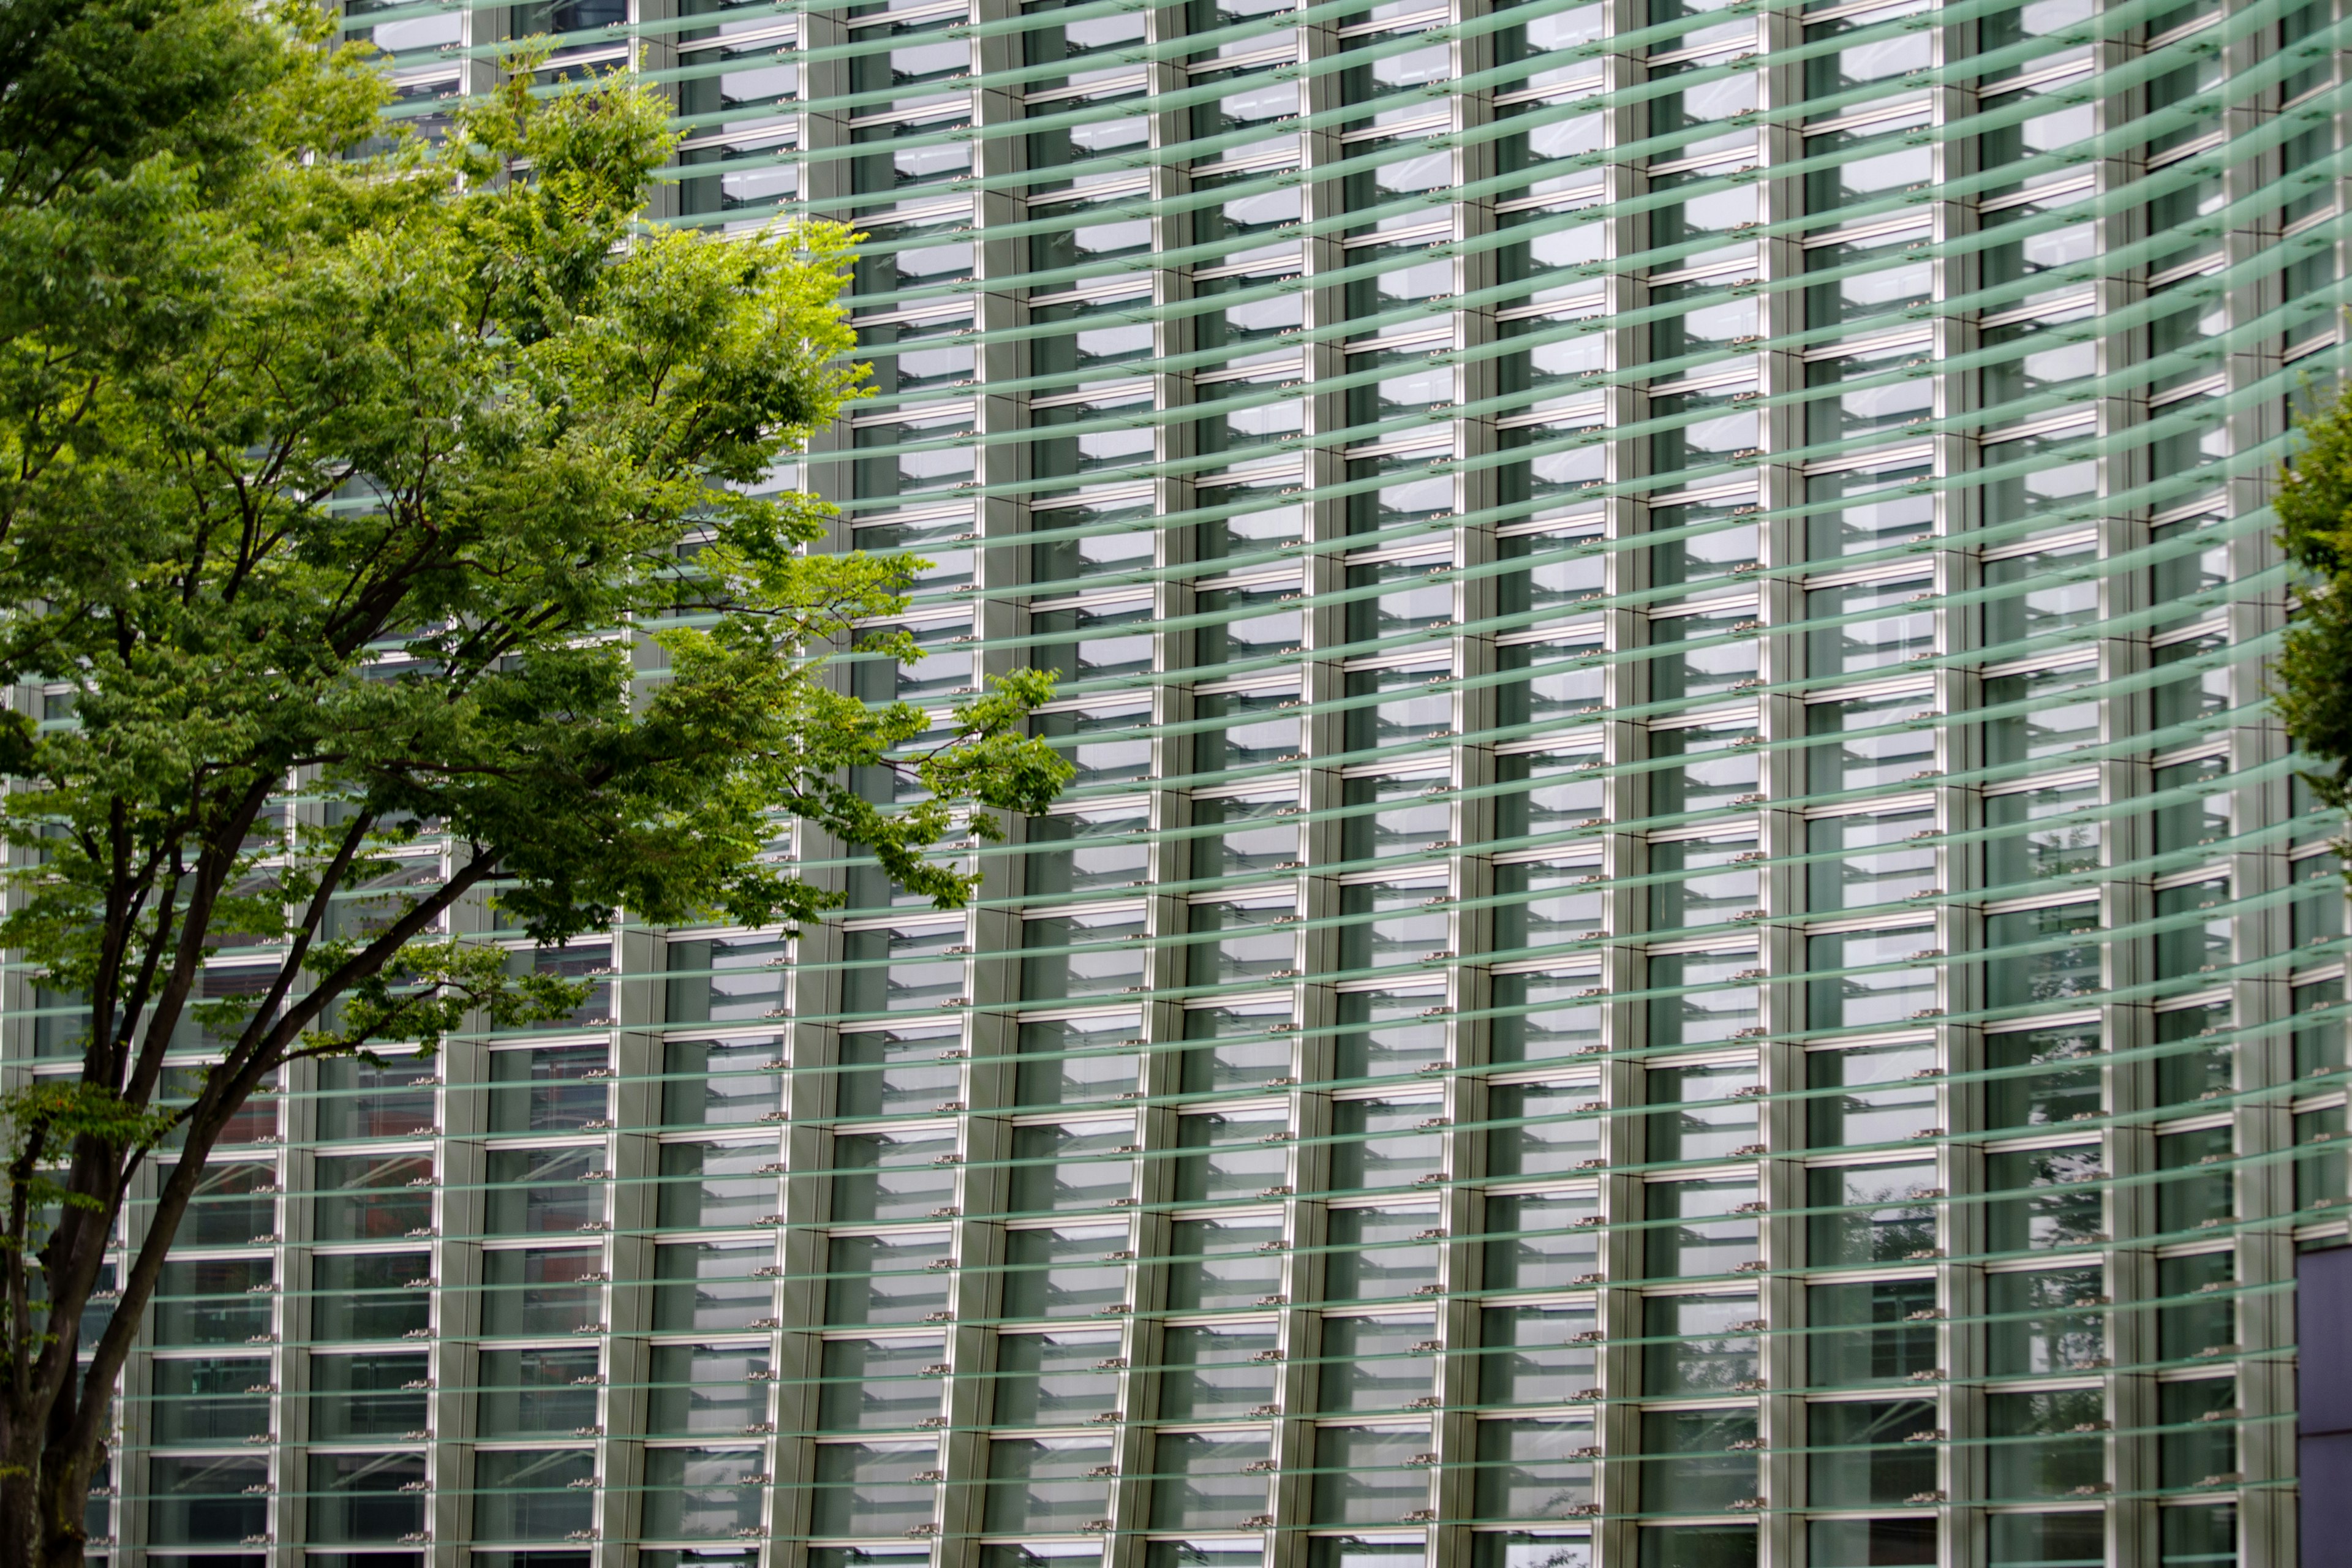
x,y
1682,939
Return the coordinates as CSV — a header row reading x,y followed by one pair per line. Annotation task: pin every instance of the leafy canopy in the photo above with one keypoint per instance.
x,y
426,490
2314,679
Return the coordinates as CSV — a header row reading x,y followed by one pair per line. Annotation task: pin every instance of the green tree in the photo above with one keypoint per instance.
x,y
2314,682
371,482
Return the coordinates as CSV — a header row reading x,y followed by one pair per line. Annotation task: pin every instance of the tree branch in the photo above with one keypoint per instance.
x,y
141,988
226,1088
221,851
314,915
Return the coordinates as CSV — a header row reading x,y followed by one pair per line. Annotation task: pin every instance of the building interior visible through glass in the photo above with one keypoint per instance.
x,y
1683,939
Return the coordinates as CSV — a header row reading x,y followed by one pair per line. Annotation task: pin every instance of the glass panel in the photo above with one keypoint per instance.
x,y
1875,1094
718,1083
886,1278
1535,1468
1698,1344
1870,1331
713,1285
1055,1380
213,1301
1203,1481
207,1500
2016,1098
869,1385
528,1494
1696,1461
1378,1254
539,1292
549,1088
1370,1365
1712,1113
365,1197
1044,1484
1365,1475
1212,1371
1529,1355
2044,1444
1064,1273
696,1494
372,1395
542,1192
1699,1227
211,1399
1541,1241
2045,1321
366,1497
538,1392
869,1489
1874,1214
1862,1456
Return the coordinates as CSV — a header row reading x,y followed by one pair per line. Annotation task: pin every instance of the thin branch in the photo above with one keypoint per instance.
x,y
145,984
226,1088
363,964
212,869
314,915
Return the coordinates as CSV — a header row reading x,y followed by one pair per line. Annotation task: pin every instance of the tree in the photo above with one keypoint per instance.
x,y
2314,502
372,479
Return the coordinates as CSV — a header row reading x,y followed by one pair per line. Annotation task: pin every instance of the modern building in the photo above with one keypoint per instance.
x,y
1683,939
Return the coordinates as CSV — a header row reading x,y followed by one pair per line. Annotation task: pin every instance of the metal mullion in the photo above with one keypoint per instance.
x,y
1618,1312
1782,1065
2125,1149
1960,1289
2264,1253
1315,1002
1170,810
1474,556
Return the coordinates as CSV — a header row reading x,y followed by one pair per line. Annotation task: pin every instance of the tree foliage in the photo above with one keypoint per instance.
x,y
2314,681
380,483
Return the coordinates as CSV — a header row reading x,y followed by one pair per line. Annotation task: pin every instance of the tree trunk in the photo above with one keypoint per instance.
x,y
65,1500
41,1511
20,1545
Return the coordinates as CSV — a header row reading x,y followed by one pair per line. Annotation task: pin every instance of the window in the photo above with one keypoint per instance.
x,y
1212,1371
1871,1214
533,1392
1870,1331
1699,1344
1694,1461
1870,1454
2045,1322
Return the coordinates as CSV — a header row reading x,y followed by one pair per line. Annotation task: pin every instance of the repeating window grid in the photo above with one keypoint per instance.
x,y
1783,898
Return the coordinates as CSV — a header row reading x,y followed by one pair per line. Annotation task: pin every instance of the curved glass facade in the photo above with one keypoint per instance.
x,y
1682,939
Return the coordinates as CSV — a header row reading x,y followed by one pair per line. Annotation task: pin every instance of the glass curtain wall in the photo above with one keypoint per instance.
x,y
1682,939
